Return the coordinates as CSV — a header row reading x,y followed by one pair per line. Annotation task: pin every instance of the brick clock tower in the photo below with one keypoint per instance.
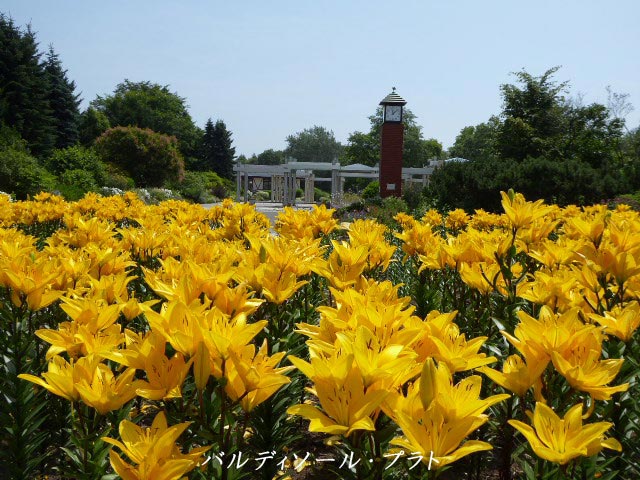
x,y
391,140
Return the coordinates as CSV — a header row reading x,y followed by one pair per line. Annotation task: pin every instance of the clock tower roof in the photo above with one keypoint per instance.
x,y
393,99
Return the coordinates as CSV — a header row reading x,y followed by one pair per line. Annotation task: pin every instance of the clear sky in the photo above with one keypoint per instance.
x,y
273,68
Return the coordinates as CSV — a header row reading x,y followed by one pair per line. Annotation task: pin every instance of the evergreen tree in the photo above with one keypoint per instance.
x,y
92,124
24,88
217,153
63,101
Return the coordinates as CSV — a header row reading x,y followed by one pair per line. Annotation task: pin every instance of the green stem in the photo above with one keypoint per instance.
x,y
223,412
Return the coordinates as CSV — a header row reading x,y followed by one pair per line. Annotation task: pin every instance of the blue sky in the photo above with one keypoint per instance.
x,y
272,68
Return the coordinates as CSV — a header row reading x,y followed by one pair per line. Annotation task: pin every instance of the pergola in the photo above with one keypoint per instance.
x,y
285,177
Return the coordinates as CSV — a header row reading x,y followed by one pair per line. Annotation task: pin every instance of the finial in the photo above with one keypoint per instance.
x,y
393,88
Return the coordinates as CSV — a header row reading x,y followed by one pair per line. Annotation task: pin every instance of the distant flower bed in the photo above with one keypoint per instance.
x,y
164,341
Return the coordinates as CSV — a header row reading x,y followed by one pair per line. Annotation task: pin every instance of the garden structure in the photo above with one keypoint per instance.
x,y
285,179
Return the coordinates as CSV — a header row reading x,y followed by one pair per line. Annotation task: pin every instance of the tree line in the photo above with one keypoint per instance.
x,y
318,144
140,135
543,144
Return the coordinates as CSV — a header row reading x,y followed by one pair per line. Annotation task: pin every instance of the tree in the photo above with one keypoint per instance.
x,y
361,148
476,143
93,123
271,157
63,101
618,104
24,88
315,144
149,105
542,145
242,159
532,116
217,153
149,157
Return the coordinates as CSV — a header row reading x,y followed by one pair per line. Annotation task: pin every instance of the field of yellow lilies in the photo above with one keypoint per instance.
x,y
162,342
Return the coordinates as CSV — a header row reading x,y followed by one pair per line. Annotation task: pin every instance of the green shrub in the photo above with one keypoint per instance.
x,y
262,196
10,138
412,194
150,158
371,191
74,184
22,175
77,158
388,209
119,181
202,187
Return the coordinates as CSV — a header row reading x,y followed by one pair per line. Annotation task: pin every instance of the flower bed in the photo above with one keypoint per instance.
x,y
169,341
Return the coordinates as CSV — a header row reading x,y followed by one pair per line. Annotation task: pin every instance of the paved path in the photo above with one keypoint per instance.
x,y
271,210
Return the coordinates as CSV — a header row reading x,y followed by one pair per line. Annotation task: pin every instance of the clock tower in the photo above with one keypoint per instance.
x,y
391,141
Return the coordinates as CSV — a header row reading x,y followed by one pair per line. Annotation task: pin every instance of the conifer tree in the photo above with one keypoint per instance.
x,y
92,124
217,153
24,88
63,101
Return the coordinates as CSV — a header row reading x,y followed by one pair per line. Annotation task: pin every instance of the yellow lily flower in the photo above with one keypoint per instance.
x,y
346,403
132,307
437,441
153,451
303,224
432,217
590,228
561,440
227,333
482,276
180,324
77,339
93,312
457,219
138,347
451,347
518,376
435,389
345,264
557,290
537,338
253,377
520,212
621,321
164,376
236,301
418,238
277,285
388,366
31,282
584,371
371,234
456,401
62,377
112,288
104,392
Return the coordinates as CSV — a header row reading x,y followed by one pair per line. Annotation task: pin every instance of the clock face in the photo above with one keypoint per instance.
x,y
393,113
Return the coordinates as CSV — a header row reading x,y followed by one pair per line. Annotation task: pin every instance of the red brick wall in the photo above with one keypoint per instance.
x,y
392,137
